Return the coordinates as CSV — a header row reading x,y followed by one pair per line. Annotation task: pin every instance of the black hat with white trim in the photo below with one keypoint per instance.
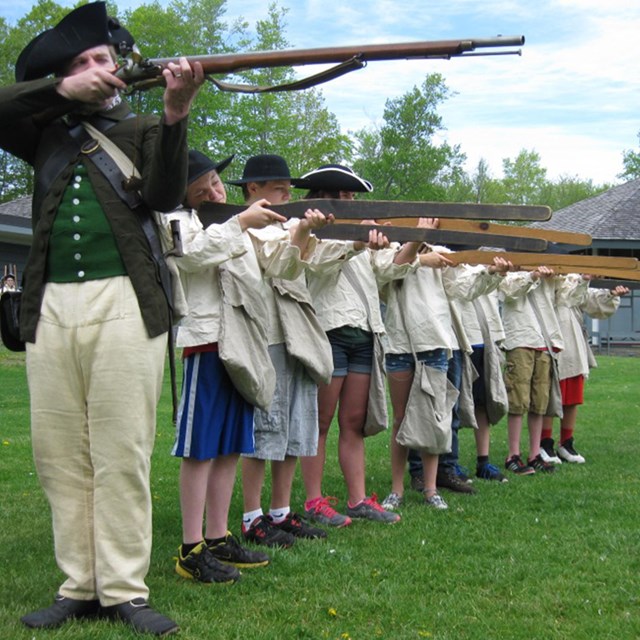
x,y
336,177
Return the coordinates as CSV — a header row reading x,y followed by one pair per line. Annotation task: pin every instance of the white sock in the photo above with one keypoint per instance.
x,y
278,515
249,516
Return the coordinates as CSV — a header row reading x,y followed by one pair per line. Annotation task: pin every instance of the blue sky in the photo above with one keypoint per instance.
x,y
573,96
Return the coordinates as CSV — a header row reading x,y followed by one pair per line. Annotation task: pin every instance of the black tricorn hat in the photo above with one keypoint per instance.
x,y
86,27
199,164
336,177
267,167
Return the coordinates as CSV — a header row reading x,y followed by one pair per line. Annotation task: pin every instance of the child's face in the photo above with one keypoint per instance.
x,y
275,191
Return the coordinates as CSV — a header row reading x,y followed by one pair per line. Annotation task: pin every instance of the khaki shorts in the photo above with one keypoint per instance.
x,y
528,380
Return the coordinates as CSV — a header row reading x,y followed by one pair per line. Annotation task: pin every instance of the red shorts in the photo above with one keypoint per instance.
x,y
572,390
212,347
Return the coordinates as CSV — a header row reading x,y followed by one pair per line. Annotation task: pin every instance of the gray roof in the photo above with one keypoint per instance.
x,y
20,208
612,215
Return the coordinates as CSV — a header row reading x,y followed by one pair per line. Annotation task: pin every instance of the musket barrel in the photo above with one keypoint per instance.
x,y
225,63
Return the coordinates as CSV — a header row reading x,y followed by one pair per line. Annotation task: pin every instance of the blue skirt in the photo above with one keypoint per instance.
x,y
213,418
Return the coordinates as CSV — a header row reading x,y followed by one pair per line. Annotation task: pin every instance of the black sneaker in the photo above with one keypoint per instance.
x,y
515,465
230,551
297,526
540,465
452,481
547,452
487,471
141,617
261,531
200,565
60,611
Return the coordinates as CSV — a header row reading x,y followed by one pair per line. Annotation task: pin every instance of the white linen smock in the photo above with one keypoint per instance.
x,y
338,304
521,325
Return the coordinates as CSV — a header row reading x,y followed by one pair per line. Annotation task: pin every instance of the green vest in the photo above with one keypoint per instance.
x,y
82,245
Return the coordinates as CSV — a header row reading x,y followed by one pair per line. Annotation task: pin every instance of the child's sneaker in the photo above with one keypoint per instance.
x,y
568,453
463,474
547,452
436,501
515,465
261,531
540,465
487,471
321,511
200,565
298,527
230,551
369,509
392,502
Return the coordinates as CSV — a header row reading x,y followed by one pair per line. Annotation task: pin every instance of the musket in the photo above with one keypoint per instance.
x,y
387,209
612,283
623,268
360,232
144,73
481,226
216,213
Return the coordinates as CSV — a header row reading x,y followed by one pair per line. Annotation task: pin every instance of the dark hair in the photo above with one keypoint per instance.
x,y
245,187
321,193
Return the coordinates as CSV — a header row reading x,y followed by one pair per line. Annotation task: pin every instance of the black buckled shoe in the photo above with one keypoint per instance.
x,y
60,611
141,617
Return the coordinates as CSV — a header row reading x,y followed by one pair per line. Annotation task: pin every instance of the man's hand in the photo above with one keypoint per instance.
x,y
96,85
620,291
542,272
183,83
258,216
315,219
428,223
434,260
500,266
377,239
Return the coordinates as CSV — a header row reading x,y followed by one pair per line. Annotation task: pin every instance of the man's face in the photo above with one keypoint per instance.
x,y
275,191
9,283
207,188
100,56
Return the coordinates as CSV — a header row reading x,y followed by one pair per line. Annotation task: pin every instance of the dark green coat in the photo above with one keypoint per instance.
x,y
160,153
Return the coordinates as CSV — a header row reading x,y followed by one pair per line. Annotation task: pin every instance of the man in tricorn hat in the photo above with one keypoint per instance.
x,y
94,313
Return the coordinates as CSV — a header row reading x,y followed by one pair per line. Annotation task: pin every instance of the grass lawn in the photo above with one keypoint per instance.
x,y
549,557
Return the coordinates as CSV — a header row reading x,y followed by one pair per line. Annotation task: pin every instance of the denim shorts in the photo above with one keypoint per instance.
x,y
399,362
352,350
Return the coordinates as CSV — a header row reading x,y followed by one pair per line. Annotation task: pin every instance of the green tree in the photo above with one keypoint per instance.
x,y
567,190
16,176
631,164
194,28
524,178
294,124
401,156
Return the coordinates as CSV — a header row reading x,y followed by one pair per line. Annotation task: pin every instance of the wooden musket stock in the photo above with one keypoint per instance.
x,y
620,268
143,73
